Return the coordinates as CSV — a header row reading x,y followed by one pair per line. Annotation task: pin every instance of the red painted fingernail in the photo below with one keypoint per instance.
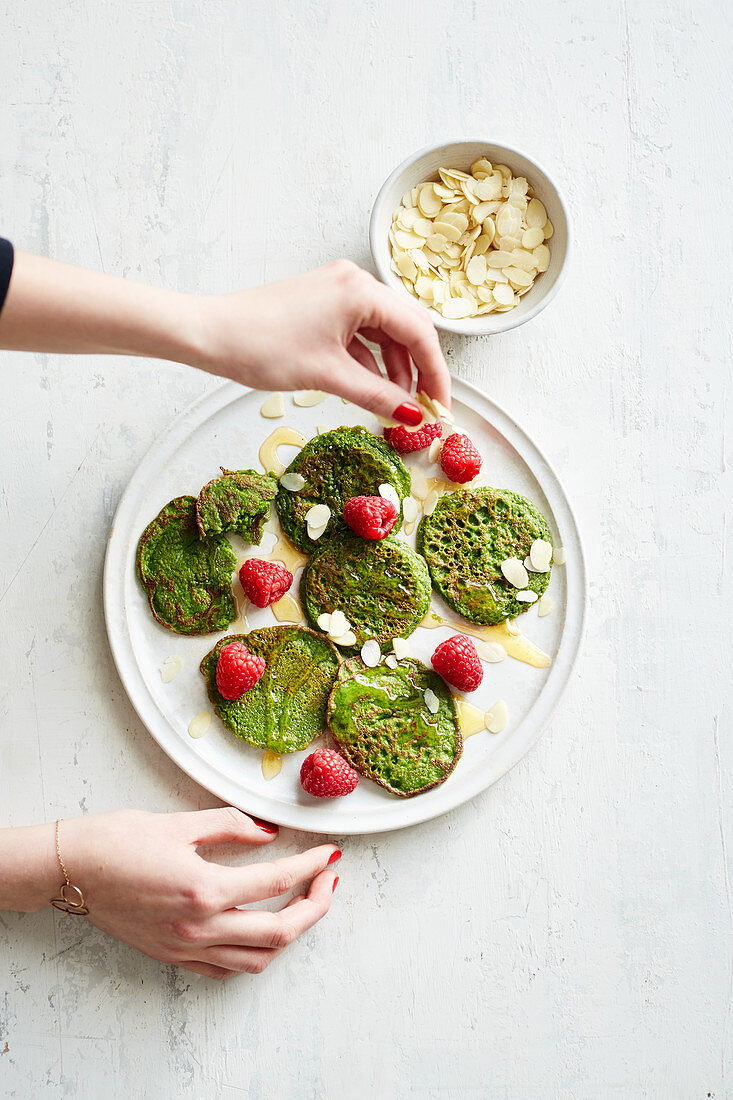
x,y
335,883
334,856
266,826
407,413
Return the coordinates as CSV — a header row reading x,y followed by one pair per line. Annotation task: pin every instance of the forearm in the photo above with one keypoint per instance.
x,y
55,307
29,871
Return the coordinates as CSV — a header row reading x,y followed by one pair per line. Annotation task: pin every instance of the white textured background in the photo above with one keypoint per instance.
x,y
567,935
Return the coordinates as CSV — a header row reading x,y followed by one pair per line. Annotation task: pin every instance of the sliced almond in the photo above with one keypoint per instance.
x,y
431,700
527,596
170,668
324,621
491,652
292,482
515,572
559,556
545,605
390,660
371,653
497,717
339,624
273,407
306,399
410,509
347,639
388,492
431,502
318,515
401,648
540,555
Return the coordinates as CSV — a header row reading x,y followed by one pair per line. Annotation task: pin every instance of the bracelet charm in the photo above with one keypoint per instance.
x,y
70,899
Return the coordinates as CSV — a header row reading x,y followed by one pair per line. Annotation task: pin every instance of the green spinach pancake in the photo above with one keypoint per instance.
x,y
188,579
237,501
286,708
382,587
465,540
385,729
338,465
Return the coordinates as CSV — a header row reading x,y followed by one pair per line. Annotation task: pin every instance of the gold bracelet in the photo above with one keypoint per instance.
x,y
75,903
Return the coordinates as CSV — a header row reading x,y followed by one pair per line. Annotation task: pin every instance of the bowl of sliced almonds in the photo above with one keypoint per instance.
x,y
476,232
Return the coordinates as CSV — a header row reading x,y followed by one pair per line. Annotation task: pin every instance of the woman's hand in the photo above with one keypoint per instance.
x,y
308,333
303,333
145,883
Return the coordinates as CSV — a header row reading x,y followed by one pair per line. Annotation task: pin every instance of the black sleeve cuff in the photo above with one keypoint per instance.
x,y
6,268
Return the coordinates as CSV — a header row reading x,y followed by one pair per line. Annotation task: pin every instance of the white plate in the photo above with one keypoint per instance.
x,y
224,428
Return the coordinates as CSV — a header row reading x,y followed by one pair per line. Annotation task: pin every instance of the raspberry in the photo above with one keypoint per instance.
x,y
459,459
405,442
264,582
370,517
457,661
327,775
237,670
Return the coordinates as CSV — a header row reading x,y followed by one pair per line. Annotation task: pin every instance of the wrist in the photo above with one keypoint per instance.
x,y
209,346
31,872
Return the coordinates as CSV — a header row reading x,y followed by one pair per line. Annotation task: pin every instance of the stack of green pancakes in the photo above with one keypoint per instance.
x,y
396,724
286,708
381,721
465,540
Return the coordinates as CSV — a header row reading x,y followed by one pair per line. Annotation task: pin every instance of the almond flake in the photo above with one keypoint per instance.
x,y
434,450
540,555
527,596
491,652
347,639
497,717
170,668
530,568
198,726
314,533
292,482
390,660
559,556
431,701
273,407
515,572
388,492
401,648
545,606
431,502
324,621
419,483
306,399
410,509
339,624
318,515
371,653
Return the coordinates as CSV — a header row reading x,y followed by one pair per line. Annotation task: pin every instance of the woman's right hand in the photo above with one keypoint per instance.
x,y
145,883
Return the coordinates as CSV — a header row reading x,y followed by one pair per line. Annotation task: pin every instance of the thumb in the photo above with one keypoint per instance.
x,y
228,824
372,391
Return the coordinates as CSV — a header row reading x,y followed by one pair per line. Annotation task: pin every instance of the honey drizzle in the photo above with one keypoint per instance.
x,y
268,453
288,609
506,633
470,719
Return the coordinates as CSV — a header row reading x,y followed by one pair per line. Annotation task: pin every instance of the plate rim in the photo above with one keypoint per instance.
x,y
319,819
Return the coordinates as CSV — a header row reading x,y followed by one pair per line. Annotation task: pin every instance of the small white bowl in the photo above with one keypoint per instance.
x,y
422,166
